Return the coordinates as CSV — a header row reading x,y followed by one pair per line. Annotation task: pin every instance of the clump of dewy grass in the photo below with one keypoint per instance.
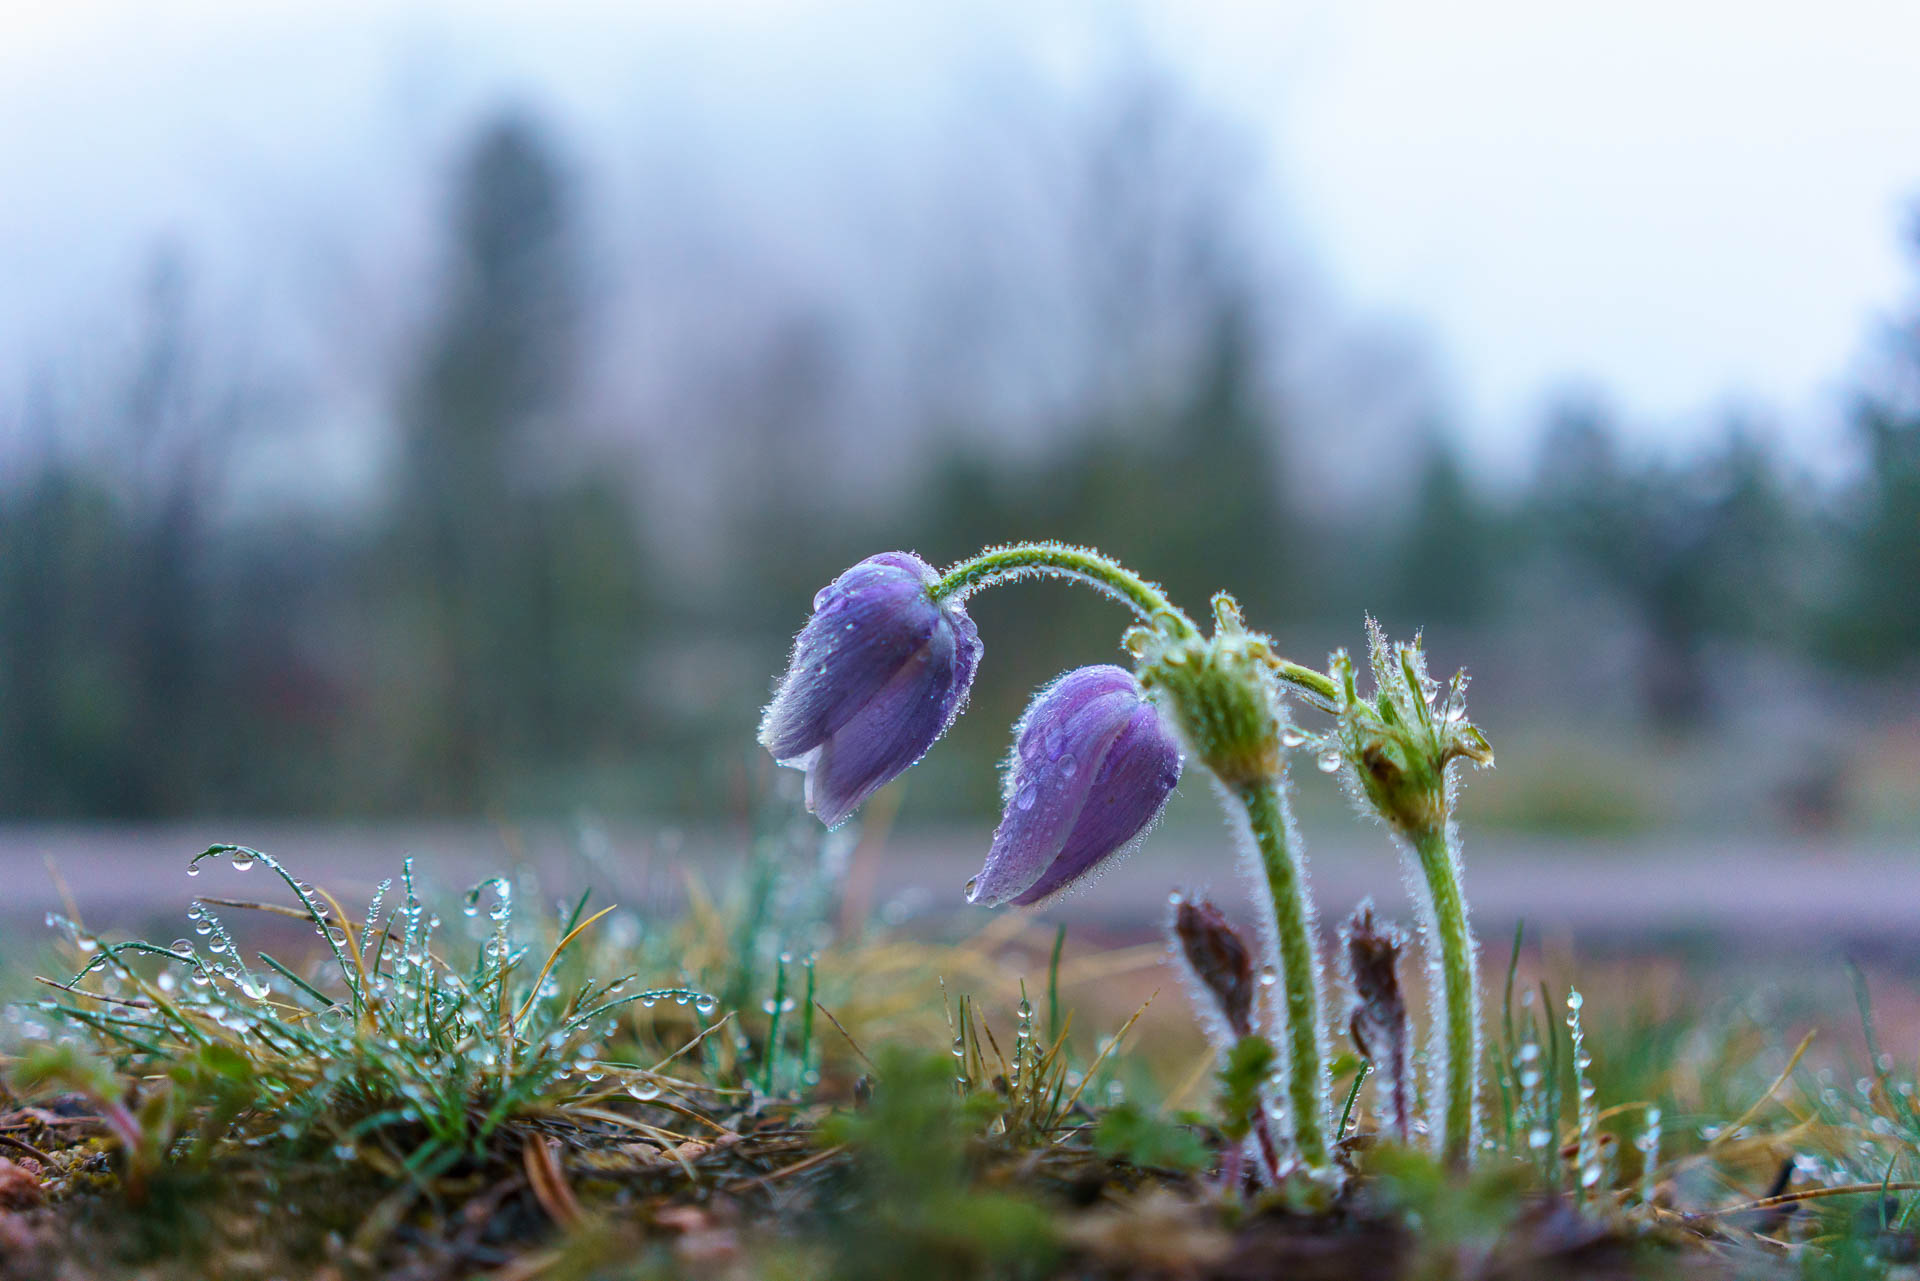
x,y
410,1049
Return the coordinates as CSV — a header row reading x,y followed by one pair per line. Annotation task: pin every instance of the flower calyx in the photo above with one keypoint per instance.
x,y
1400,742
1221,692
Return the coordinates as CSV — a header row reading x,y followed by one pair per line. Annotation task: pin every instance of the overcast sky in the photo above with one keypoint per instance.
x,y
1688,202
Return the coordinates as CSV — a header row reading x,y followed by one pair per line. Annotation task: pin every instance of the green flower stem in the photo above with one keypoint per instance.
x,y
1306,1078
1460,1065
1001,564
1316,685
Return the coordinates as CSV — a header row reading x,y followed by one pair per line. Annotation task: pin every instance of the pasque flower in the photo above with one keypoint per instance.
x,y
877,675
1091,768
884,666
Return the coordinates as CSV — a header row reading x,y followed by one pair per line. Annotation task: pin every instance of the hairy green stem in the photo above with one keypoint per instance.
x,y
1306,1083
1457,1070
1002,563
1316,685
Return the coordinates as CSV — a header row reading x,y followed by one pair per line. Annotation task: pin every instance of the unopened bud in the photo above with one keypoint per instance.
x,y
1379,1025
1218,958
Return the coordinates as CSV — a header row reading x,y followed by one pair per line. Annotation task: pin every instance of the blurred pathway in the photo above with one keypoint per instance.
x,y
1762,896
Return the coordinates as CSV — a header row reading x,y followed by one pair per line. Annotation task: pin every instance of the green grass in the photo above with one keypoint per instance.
x,y
565,1091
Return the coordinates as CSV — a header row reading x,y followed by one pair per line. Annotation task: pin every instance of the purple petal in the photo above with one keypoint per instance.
x,y
1137,777
892,730
865,628
1060,752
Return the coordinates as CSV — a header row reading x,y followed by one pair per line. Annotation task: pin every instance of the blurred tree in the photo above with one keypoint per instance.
x,y
177,440
67,697
1876,618
1690,550
519,580
120,701
1447,548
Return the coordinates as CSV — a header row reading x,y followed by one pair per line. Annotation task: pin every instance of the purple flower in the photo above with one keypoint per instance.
x,y
877,675
1092,766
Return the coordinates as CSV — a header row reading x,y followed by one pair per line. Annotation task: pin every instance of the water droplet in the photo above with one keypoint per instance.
x,y
704,1004
242,860
1328,761
193,869
1294,736
644,1091
1024,798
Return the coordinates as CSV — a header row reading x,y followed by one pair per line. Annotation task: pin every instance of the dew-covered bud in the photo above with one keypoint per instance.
x,y
1402,742
1091,768
877,675
1218,959
1222,691
1371,951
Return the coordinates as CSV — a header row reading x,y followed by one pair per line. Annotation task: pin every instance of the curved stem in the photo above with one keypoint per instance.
x,y
1457,1070
1306,1083
1002,564
1316,685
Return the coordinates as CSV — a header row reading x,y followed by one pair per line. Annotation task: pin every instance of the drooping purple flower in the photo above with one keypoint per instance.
x,y
877,675
1092,765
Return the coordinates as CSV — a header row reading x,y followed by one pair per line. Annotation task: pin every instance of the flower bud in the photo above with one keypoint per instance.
x,y
1221,690
1402,742
877,675
1091,768
1371,950
1218,958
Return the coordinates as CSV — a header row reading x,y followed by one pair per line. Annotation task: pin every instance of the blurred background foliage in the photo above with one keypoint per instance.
x,y
536,606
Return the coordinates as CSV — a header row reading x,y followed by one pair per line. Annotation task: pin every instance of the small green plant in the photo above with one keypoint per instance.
x,y
918,1212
